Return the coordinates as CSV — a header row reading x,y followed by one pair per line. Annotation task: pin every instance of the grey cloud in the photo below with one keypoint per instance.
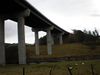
x,y
10,29
55,8
11,34
95,15
66,7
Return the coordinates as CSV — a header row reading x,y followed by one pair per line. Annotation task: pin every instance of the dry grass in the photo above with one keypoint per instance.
x,y
64,50
60,68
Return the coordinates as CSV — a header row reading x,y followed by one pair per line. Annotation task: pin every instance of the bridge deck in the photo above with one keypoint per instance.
x,y
35,20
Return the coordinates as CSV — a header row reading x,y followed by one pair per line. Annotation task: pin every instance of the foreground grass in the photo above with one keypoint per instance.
x,y
58,68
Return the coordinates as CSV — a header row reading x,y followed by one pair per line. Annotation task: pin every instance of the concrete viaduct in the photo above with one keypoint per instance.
x,y
23,13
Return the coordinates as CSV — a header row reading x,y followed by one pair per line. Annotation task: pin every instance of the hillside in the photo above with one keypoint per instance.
x,y
74,49
58,51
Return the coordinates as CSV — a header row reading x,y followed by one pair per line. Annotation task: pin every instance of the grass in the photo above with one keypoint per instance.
x,y
78,68
59,68
75,49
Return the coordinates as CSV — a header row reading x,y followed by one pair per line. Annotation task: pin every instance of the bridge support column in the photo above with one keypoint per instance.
x,y
2,45
21,36
61,38
52,40
49,42
37,42
21,41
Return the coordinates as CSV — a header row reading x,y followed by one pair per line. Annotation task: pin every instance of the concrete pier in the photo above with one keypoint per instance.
x,y
60,39
36,42
52,37
25,14
21,41
49,41
2,40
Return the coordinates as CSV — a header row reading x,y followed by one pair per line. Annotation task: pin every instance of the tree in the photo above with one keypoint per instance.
x,y
78,35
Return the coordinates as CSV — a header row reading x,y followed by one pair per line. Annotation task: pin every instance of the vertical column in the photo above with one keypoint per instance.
x,y
2,46
49,42
21,41
37,42
61,38
52,40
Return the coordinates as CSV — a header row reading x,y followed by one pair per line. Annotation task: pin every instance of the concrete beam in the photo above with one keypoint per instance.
x,y
24,13
2,40
21,41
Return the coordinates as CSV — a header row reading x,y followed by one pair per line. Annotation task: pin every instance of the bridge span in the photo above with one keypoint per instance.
x,y
25,14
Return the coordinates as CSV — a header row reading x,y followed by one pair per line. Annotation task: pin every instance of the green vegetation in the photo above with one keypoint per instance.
x,y
58,68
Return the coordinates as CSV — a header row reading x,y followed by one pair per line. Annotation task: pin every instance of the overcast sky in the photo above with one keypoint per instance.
x,y
68,14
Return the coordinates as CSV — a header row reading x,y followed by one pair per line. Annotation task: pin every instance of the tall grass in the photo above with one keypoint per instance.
x,y
61,68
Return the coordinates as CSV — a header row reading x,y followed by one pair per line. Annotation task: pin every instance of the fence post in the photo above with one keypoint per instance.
x,y
69,68
92,69
52,69
23,70
69,71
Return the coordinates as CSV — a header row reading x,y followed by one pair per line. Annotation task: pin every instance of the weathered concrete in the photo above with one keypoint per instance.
x,y
2,40
52,37
21,41
49,41
25,13
61,38
34,17
37,42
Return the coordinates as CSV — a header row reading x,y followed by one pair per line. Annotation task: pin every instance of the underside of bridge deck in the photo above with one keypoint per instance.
x,y
25,14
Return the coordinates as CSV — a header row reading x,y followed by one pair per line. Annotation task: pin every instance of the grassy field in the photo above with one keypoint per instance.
x,y
64,50
57,68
